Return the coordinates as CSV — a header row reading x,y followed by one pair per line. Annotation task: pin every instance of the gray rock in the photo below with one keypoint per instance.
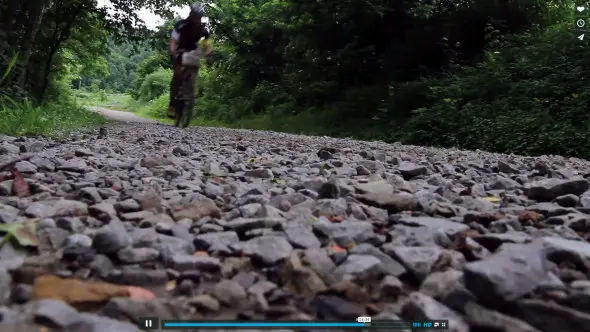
x,y
547,316
111,238
184,262
128,205
78,240
389,265
569,200
357,232
24,166
57,312
267,249
302,237
137,277
411,170
229,293
137,255
481,317
319,261
168,246
208,240
246,224
423,307
511,273
89,195
8,148
103,211
418,260
69,208
445,225
447,287
381,194
549,189
74,165
260,173
359,267
390,287
555,247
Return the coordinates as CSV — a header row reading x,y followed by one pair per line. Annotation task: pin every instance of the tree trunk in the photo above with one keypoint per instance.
x,y
59,37
8,17
36,13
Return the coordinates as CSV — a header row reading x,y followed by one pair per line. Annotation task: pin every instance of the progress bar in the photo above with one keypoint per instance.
x,y
361,323
186,324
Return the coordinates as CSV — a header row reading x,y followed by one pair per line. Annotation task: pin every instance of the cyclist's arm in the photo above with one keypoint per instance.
x,y
174,36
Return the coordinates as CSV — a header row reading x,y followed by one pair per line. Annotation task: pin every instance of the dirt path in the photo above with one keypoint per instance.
x,y
120,116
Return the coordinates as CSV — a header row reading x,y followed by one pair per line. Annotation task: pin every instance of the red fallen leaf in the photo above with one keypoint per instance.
x,y
140,294
461,237
116,187
336,219
218,180
529,216
381,230
20,187
337,248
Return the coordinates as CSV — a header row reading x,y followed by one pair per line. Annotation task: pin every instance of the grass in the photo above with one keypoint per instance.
x,y
156,110
56,118
115,101
50,120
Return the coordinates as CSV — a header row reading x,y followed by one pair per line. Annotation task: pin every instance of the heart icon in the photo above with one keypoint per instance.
x,y
580,9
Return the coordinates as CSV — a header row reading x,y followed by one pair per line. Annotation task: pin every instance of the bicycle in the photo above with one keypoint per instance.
x,y
184,102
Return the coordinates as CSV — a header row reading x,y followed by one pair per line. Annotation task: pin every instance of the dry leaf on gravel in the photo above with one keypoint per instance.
x,y
336,248
24,233
460,243
140,294
79,293
351,291
196,210
492,199
336,219
20,187
76,292
529,216
171,285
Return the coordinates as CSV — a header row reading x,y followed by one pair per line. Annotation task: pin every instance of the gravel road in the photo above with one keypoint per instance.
x,y
120,116
139,219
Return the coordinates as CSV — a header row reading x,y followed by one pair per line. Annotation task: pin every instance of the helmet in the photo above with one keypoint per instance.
x,y
197,9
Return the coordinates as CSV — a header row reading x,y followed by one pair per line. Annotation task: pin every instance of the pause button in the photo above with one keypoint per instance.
x,y
149,323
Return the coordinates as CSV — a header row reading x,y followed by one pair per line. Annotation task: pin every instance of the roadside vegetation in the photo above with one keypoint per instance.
x,y
504,76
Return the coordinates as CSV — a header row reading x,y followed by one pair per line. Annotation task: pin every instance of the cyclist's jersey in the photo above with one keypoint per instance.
x,y
187,35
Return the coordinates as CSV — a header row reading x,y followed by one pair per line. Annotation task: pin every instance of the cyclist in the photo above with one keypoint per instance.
x,y
185,37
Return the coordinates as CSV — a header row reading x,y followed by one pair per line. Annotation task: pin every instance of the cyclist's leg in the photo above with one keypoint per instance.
x,y
174,86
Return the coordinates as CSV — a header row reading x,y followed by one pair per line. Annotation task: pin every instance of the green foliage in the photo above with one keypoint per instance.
x,y
524,98
156,109
53,119
146,67
155,85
